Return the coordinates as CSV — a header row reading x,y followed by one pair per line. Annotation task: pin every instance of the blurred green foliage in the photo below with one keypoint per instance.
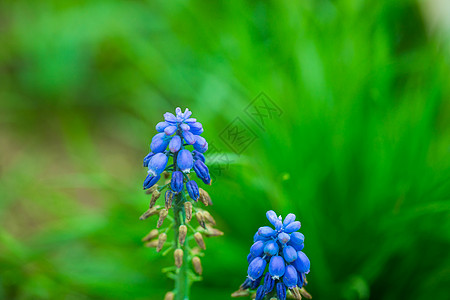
x,y
360,153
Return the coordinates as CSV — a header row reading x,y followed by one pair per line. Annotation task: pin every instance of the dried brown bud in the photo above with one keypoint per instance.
x,y
182,231
210,232
155,196
197,265
204,196
294,294
151,189
152,234
178,255
169,296
166,174
168,199
207,216
200,219
305,294
150,212
161,240
162,216
240,293
152,244
199,239
188,210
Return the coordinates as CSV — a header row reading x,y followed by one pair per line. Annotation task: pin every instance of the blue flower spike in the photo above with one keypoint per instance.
x,y
176,149
277,247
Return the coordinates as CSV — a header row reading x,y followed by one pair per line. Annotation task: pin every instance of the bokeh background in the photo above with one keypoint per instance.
x,y
360,152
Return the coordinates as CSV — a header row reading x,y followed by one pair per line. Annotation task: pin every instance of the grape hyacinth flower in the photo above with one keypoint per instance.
x,y
276,255
177,149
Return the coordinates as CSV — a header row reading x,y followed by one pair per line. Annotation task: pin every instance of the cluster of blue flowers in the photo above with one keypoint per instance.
x,y
281,249
175,133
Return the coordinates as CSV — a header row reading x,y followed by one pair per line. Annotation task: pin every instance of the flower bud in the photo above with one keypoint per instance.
x,y
260,293
290,276
188,210
302,263
272,217
256,268
159,143
151,235
196,128
257,248
266,231
168,199
150,212
297,238
250,258
240,293
281,291
288,220
202,171
185,127
201,145
161,240
289,254
185,161
177,181
198,156
169,130
204,197
305,293
147,159
175,144
269,283
298,247
161,126
157,164
200,219
169,296
150,181
162,216
296,293
277,267
213,232
300,281
283,237
197,265
189,137
155,196
294,226
152,244
246,284
199,239
182,231
170,118
151,189
207,216
178,256
271,248
193,191
256,282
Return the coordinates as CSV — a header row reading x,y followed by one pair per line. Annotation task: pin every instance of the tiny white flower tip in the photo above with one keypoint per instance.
x,y
151,173
186,171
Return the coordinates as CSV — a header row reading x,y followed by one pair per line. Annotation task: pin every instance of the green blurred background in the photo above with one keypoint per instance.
x,y
360,152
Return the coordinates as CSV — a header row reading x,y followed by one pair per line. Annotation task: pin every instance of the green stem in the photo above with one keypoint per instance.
x,y
182,283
